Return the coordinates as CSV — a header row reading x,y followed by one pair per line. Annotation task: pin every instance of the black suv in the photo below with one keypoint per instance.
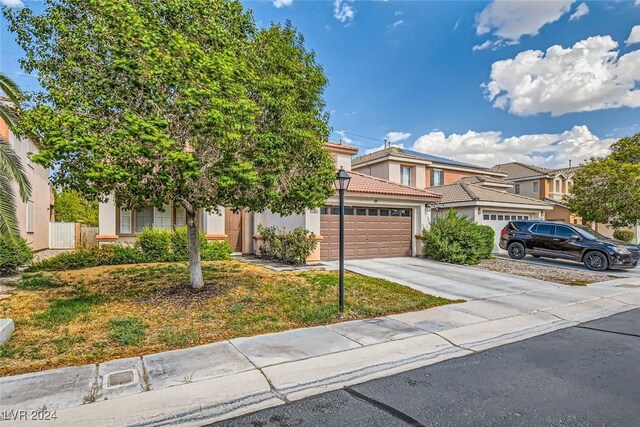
x,y
567,241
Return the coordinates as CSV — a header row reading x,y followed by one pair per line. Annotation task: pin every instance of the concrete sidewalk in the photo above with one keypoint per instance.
x,y
223,380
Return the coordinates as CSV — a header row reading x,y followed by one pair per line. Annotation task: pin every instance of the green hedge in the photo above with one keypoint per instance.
x,y
150,246
456,239
624,235
14,255
292,247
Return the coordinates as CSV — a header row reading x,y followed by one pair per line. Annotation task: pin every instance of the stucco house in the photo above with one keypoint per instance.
x,y
35,214
382,218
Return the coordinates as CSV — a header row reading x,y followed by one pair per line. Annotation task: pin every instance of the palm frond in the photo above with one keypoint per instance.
x,y
10,89
11,167
8,221
8,113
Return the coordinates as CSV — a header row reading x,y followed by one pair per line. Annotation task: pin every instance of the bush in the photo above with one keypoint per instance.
x,y
218,250
155,244
623,234
81,258
457,240
489,236
292,248
14,255
180,244
123,254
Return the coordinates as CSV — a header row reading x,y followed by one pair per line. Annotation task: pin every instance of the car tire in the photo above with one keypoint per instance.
x,y
516,250
596,261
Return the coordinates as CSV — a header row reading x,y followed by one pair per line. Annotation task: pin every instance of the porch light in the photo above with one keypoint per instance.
x,y
342,180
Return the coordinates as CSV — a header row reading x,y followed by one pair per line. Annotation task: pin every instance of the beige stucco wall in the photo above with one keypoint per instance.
x,y
40,192
526,188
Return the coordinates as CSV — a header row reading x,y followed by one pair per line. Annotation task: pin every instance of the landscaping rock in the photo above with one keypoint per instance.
x,y
6,329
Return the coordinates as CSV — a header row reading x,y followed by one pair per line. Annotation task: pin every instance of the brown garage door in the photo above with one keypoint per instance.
x,y
369,232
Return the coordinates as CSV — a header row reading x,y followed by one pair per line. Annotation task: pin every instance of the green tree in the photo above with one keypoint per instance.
x,y
607,190
11,170
185,102
72,207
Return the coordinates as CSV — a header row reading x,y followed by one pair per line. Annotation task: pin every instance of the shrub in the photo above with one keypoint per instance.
x,y
155,244
81,258
14,255
218,250
457,240
623,234
489,236
180,244
293,247
124,254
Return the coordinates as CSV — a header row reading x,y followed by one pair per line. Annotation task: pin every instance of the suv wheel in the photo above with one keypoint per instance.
x,y
516,250
596,261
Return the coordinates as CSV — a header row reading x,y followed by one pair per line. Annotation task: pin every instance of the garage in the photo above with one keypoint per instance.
x,y
497,221
369,232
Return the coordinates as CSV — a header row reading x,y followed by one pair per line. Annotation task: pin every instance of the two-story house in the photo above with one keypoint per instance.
x,y
479,193
34,214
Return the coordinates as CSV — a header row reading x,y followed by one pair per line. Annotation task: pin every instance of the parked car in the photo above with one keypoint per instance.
x,y
551,239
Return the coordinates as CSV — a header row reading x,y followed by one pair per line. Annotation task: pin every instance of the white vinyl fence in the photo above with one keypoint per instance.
x,y
62,235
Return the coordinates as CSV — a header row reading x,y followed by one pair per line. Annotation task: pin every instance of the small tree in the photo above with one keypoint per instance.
x,y
607,190
72,207
176,102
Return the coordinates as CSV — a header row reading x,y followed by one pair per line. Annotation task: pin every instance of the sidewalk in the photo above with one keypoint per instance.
x,y
223,380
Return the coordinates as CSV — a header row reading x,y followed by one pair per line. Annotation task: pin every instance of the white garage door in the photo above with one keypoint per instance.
x,y
497,221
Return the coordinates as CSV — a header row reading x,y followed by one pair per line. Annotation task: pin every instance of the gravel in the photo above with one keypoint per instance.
x,y
565,276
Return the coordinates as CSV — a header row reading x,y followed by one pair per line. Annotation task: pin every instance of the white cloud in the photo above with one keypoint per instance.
x,y
282,3
343,11
509,20
11,3
344,137
483,46
393,137
637,3
490,148
398,23
588,76
400,13
581,10
634,36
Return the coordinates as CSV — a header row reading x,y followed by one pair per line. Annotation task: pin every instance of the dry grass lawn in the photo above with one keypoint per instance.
x,y
97,314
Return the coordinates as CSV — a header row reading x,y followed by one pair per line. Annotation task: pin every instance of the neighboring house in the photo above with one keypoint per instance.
x,y
418,170
34,215
486,200
382,219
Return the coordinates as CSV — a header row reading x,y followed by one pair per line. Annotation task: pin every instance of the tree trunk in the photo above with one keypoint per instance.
x,y
195,266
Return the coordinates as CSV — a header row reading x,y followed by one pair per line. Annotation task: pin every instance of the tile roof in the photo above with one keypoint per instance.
x,y
361,183
341,146
516,170
410,154
464,192
569,171
478,179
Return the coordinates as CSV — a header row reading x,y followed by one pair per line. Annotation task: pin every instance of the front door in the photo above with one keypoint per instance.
x,y
233,228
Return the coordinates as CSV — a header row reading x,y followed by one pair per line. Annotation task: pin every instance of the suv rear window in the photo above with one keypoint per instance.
x,y
543,229
518,225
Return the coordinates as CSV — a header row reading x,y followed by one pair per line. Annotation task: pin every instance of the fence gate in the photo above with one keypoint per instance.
x,y
62,235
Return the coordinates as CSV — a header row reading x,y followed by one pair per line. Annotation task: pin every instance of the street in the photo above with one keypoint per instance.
x,y
588,374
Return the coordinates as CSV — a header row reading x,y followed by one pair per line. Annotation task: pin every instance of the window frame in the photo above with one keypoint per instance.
x,y
30,220
516,189
536,186
432,177
406,169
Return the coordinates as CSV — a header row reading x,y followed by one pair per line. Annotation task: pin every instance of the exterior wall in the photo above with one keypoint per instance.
x,y
469,212
38,176
526,188
379,170
450,176
342,160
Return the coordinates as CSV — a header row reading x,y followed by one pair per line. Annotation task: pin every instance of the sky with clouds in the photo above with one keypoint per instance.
x,y
540,82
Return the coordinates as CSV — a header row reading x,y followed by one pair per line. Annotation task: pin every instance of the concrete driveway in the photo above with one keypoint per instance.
x,y
549,262
447,280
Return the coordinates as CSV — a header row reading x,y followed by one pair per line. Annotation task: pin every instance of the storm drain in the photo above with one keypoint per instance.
x,y
119,379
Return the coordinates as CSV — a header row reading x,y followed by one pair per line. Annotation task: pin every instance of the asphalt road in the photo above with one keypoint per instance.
x,y
586,375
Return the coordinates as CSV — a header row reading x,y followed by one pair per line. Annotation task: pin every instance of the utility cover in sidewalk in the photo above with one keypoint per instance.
x,y
117,379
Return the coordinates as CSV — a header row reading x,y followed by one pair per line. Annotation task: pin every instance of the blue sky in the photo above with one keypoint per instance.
x,y
408,71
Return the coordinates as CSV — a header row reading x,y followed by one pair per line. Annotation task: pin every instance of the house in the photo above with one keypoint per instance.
x,y
487,201
382,218
35,214
418,170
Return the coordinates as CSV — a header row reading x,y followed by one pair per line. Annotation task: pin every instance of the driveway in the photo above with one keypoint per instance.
x,y
447,280
634,272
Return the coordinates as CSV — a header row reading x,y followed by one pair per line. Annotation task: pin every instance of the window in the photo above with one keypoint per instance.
x,y
536,186
30,212
544,229
144,219
557,186
516,188
500,217
125,222
181,217
335,210
485,216
405,175
162,219
348,211
519,216
526,217
361,211
373,212
405,212
395,212
384,212
324,210
437,177
494,217
564,231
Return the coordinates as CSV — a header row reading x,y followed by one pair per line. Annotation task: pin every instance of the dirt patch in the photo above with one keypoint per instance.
x,y
564,276
182,295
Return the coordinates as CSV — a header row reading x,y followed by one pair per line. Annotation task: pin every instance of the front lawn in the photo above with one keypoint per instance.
x,y
102,313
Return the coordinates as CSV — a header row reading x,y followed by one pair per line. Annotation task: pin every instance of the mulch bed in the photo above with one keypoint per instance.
x,y
183,295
